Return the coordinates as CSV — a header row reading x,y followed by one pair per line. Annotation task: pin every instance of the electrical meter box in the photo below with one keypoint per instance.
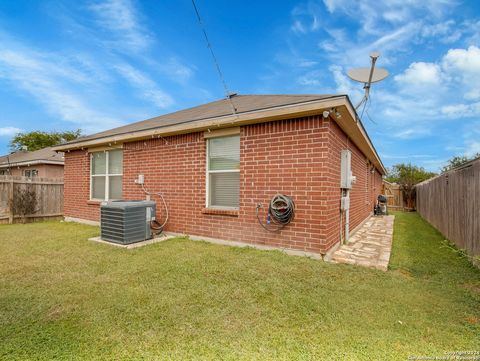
x,y
346,177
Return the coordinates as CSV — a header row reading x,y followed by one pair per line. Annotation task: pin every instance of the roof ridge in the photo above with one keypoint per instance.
x,y
288,95
213,109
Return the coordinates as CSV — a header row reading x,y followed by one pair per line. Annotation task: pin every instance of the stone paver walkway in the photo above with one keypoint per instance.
x,y
370,246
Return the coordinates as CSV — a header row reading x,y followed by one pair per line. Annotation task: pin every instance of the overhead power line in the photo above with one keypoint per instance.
x,y
215,61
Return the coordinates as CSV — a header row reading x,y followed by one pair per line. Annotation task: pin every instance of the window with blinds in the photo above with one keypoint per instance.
x,y
106,173
223,172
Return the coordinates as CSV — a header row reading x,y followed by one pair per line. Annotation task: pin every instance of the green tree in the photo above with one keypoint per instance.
x,y
37,139
457,161
407,176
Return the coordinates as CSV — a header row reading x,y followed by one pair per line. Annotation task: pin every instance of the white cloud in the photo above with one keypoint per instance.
x,y
421,74
298,27
52,82
391,156
472,28
306,19
121,19
315,24
473,148
374,15
401,109
149,89
447,31
9,131
313,78
392,27
461,110
454,110
463,61
412,132
331,5
434,165
427,95
448,88
176,70
307,63
344,85
395,16
472,94
463,68
389,43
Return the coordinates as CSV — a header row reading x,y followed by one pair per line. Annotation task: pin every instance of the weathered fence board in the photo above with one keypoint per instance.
x,y
48,193
394,195
451,203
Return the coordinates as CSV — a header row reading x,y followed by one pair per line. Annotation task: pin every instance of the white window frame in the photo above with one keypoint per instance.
x,y
31,173
106,175
208,172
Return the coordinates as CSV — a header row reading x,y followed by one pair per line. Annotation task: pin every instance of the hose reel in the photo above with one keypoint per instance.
x,y
281,211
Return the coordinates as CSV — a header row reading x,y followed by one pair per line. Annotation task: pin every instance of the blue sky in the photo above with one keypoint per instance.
x,y
99,64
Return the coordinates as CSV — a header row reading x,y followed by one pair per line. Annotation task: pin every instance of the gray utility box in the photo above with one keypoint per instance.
x,y
126,222
346,177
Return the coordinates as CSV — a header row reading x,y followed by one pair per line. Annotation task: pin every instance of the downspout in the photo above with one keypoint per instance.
x,y
347,196
346,181
347,216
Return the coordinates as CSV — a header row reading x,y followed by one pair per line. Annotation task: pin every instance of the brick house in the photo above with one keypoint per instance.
x,y
216,162
44,163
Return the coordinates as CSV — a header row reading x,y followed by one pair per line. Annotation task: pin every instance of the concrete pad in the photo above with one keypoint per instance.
x,y
82,221
160,238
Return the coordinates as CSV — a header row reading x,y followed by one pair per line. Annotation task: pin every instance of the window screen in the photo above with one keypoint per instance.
x,y
223,172
106,175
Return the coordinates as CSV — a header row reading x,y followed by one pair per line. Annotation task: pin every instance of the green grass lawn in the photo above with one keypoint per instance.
x,y
63,297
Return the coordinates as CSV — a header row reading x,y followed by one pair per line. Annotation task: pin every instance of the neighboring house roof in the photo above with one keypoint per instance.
x,y
249,109
24,158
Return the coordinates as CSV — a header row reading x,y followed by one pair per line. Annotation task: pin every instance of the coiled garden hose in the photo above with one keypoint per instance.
x,y
281,211
155,225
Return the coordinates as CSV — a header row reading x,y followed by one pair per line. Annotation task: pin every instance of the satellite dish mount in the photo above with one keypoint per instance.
x,y
367,76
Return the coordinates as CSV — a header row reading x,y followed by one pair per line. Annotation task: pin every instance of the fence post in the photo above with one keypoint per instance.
x,y
10,202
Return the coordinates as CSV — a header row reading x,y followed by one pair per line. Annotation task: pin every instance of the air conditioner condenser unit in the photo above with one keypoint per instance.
x,y
126,222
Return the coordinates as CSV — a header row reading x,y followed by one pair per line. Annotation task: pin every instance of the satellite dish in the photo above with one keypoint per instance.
x,y
362,74
368,76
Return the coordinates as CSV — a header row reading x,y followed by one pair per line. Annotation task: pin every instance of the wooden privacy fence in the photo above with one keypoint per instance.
x,y
394,195
48,194
451,203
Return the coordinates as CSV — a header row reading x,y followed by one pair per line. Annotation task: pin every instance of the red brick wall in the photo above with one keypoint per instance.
x,y
296,157
286,157
363,193
76,178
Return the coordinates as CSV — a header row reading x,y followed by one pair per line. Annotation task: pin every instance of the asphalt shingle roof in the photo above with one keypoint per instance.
x,y
242,104
45,154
